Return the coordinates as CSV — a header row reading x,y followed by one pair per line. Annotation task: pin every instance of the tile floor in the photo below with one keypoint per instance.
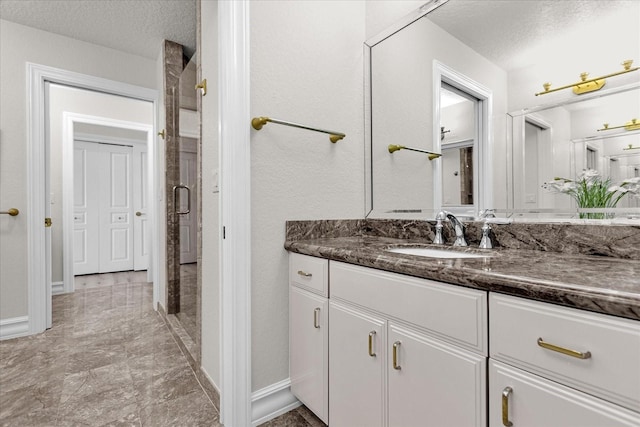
x,y
108,360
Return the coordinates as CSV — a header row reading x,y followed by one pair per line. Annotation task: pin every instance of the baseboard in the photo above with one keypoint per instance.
x,y
57,288
272,401
210,387
14,327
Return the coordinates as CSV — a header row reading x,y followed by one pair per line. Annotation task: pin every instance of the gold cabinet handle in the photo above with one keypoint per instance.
x,y
396,346
316,318
505,406
567,351
371,352
304,273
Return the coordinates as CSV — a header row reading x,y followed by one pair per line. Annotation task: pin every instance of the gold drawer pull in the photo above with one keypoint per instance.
x,y
505,406
396,345
567,351
371,335
304,273
316,318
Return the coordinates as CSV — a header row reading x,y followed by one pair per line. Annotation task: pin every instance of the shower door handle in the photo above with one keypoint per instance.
x,y
175,199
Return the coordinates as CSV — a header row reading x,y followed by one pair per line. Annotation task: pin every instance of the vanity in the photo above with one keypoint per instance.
x,y
500,337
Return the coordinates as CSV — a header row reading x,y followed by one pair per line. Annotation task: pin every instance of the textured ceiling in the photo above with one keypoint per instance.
x,y
133,26
484,24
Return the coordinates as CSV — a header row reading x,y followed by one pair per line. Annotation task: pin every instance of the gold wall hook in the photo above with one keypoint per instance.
x,y
586,85
161,134
202,85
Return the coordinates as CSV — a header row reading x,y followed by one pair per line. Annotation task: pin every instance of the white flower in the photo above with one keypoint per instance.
x,y
615,188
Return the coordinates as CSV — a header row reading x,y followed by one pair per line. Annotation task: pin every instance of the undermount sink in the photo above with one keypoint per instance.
x,y
435,253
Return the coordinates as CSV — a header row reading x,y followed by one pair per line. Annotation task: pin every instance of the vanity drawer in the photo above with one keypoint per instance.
x,y
604,351
310,273
448,312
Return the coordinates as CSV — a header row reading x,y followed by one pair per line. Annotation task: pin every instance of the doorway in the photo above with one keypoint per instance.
x,y
39,253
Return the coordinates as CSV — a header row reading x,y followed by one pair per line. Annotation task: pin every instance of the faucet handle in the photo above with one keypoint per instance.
x,y
485,242
438,239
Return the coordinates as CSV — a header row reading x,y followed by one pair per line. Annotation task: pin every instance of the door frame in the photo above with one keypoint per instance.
x,y
38,263
68,140
482,159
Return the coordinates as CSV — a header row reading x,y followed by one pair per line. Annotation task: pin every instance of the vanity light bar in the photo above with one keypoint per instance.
x,y
634,124
258,122
393,147
589,85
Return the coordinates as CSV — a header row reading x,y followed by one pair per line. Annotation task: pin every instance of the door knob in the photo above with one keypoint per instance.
x,y
138,213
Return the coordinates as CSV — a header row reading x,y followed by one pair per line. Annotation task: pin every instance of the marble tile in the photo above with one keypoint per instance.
x,y
298,417
108,360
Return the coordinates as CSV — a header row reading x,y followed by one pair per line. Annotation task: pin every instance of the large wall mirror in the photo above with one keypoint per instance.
x,y
455,116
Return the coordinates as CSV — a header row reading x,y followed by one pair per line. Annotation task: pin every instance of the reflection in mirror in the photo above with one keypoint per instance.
x,y
511,49
458,129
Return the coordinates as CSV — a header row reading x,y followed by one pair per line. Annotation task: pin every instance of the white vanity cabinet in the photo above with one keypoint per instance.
x,y
309,332
392,355
357,360
558,366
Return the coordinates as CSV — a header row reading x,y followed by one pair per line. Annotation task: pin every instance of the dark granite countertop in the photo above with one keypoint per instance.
x,y
597,283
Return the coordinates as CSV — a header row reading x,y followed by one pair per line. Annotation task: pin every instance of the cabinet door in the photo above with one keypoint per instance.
x,y
531,401
357,360
432,383
309,336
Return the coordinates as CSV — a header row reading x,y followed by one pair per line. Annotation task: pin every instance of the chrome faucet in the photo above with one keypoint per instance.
x,y
458,227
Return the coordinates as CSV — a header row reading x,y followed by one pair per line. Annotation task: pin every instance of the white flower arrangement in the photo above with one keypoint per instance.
x,y
591,190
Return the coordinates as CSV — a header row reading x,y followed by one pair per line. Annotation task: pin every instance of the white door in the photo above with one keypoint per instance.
x,y
188,203
116,208
357,360
140,198
432,383
86,211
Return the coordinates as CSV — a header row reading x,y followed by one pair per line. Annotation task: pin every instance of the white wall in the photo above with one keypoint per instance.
x,y
18,45
307,67
65,99
210,263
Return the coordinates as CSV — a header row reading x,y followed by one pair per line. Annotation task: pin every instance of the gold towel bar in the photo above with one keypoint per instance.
x,y
12,212
258,122
393,147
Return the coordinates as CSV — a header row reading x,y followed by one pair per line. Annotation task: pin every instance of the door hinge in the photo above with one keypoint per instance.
x,y
47,222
